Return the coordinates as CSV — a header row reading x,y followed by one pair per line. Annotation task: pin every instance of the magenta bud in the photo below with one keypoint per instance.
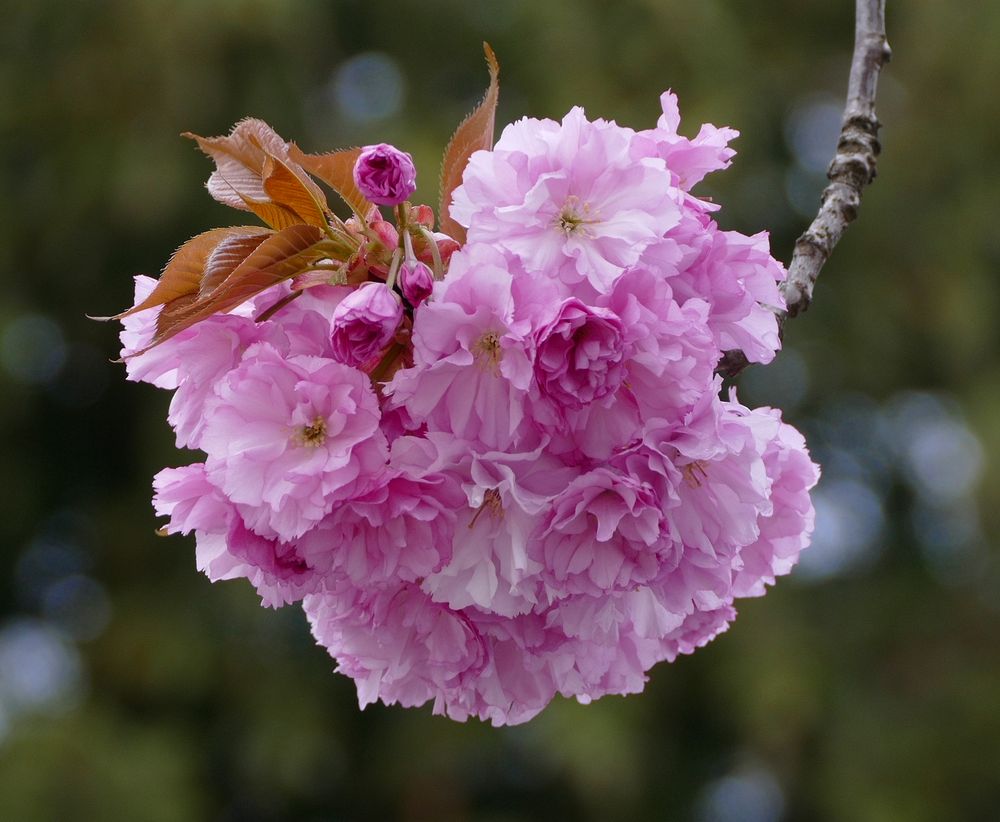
x,y
416,280
364,323
385,175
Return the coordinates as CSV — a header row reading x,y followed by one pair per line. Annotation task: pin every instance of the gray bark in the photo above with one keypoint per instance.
x,y
852,168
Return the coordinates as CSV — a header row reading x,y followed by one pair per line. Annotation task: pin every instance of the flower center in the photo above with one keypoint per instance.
x,y
574,218
487,352
491,502
312,435
694,473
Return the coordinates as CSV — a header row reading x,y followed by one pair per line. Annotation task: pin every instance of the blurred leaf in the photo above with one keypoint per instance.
x,y
474,133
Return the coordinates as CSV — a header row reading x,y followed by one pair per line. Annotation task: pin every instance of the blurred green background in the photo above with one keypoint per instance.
x,y
864,687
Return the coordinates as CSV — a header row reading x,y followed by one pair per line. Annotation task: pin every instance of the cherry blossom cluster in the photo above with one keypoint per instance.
x,y
504,471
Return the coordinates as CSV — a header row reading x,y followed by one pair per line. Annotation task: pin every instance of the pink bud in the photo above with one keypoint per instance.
x,y
416,280
385,175
364,323
422,215
386,233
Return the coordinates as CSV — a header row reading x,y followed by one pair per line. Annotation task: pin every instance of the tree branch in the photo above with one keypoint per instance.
x,y
852,168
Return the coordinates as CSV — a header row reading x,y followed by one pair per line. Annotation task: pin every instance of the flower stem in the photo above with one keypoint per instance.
x,y
435,253
390,279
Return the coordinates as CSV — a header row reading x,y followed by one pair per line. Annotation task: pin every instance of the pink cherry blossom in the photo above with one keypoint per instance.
x,y
604,532
287,437
364,323
516,481
568,200
226,549
471,364
397,644
579,354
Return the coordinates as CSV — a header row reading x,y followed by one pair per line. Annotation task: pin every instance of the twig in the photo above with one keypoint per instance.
x,y
852,169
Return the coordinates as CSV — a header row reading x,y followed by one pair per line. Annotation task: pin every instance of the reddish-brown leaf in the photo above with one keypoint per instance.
x,y
474,133
280,256
274,214
184,272
283,185
336,169
246,160
225,258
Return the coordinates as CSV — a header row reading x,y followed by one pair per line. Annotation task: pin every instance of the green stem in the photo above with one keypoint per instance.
x,y
390,279
435,253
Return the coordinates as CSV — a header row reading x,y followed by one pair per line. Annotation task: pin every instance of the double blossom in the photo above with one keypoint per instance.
x,y
518,480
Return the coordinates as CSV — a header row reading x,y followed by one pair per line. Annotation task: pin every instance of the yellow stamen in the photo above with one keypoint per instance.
x,y
312,435
694,473
491,502
488,353
574,218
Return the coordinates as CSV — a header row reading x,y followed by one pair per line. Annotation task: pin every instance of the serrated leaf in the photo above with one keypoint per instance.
x,y
254,173
184,272
336,169
283,185
279,257
473,134
274,214
225,258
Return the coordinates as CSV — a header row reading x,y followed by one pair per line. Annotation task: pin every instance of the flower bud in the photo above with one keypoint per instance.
x,y
446,246
386,233
385,175
416,281
422,215
364,323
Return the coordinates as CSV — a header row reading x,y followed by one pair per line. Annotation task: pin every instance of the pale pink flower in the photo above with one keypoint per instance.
x,y
690,159
400,530
738,278
567,198
604,532
225,548
723,484
671,352
397,644
787,530
286,438
506,497
471,366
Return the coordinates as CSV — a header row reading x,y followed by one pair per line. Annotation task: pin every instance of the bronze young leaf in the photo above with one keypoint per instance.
x,y
254,173
336,169
474,133
279,257
188,267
